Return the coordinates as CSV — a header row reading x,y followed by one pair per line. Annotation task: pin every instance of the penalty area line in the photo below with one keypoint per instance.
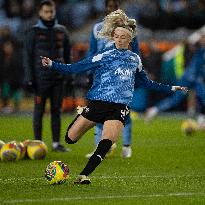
x,y
180,194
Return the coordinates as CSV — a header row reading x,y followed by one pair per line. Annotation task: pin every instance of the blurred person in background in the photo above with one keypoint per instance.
x,y
27,16
193,78
12,16
11,75
97,45
68,13
48,38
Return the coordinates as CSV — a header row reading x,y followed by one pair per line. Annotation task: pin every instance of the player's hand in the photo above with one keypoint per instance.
x,y
185,89
46,62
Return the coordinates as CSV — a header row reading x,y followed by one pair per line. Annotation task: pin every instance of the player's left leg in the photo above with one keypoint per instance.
x,y
111,131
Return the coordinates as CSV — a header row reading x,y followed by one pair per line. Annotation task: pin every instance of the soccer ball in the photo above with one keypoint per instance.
x,y
189,126
10,152
56,172
36,149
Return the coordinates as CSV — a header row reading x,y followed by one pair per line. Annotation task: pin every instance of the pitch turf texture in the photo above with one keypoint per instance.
x,y
166,168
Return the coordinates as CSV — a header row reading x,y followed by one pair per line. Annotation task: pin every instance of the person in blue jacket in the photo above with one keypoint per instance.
x,y
96,45
112,89
193,78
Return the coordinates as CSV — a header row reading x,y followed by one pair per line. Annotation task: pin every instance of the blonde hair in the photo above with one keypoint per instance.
x,y
117,19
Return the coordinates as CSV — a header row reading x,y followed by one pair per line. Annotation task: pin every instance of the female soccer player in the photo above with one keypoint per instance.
x,y
115,72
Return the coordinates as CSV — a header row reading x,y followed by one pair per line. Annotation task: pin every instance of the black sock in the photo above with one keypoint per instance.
x,y
102,149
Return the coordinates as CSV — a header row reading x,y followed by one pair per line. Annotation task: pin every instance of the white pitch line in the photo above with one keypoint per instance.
x,y
180,194
147,176
106,177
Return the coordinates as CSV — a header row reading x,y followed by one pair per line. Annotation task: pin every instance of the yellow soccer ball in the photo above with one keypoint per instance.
x,y
36,149
56,172
10,152
189,126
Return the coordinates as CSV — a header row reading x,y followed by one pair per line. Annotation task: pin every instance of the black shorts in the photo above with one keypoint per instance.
x,y
101,111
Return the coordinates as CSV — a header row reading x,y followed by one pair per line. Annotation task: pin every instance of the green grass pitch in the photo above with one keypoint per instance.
x,y
166,168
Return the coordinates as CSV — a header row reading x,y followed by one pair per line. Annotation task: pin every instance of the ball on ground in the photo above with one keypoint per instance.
x,y
57,172
36,149
10,152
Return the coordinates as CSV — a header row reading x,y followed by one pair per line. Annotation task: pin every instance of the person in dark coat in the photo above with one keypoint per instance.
x,y
48,38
